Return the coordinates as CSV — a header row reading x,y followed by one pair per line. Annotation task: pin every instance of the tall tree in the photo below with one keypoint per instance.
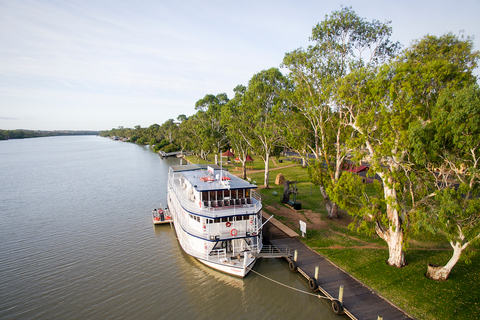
x,y
264,106
448,147
238,126
344,42
381,104
213,132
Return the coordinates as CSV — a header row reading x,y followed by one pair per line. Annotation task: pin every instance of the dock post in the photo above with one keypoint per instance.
x,y
316,273
295,255
340,294
379,318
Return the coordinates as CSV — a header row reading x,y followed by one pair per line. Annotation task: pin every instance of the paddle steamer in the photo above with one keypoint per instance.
x,y
217,217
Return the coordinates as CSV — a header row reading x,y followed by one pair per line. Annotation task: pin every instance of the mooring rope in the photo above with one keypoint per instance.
x,y
290,287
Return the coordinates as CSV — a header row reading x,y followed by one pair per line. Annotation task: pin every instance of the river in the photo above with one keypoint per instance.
x,y
77,242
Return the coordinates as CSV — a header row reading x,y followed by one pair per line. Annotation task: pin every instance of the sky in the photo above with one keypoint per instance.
x,y
98,65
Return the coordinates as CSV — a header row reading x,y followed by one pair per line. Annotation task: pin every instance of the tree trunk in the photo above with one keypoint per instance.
x,y
244,169
394,235
332,207
267,169
396,256
441,273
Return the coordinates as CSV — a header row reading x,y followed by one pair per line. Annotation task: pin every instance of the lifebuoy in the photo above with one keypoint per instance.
x,y
337,307
228,224
312,283
160,211
233,233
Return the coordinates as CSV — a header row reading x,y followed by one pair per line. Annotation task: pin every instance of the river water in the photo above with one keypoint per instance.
x,y
77,242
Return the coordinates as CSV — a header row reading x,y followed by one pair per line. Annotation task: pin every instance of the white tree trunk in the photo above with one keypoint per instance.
x,y
267,171
332,207
394,235
441,273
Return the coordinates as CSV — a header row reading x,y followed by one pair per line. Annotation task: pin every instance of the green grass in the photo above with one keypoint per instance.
x,y
408,288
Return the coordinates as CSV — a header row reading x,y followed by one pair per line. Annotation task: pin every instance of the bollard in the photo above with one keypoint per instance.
x,y
316,273
379,318
295,255
340,294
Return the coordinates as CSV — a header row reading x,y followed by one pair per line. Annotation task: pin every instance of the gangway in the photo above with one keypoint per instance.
x,y
269,251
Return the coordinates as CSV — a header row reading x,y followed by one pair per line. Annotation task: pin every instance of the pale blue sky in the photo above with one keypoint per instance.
x,y
97,65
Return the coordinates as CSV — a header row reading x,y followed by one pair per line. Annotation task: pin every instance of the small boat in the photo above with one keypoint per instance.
x,y
217,217
161,216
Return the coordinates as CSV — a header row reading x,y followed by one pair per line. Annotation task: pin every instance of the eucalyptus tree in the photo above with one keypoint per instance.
x,y
344,42
213,132
238,126
191,136
382,103
168,130
448,147
263,106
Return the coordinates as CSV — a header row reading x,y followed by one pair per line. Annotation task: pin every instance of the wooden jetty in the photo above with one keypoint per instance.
x,y
347,294
169,154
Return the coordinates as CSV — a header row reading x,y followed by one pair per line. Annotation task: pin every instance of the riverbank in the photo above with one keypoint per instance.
x,y
364,256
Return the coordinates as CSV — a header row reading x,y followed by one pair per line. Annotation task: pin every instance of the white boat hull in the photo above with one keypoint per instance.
x,y
239,272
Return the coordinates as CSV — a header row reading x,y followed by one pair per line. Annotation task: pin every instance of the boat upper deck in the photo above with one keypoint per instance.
x,y
212,192
211,178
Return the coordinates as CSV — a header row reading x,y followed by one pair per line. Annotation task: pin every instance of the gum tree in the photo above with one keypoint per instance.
x,y
343,42
382,103
263,106
212,131
448,147
237,126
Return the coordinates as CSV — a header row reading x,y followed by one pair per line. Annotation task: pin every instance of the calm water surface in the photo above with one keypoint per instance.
x,y
77,242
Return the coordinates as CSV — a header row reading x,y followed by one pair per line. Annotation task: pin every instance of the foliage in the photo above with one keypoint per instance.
x,y
448,148
23,134
264,106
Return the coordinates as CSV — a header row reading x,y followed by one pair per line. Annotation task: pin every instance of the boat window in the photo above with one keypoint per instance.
x,y
205,196
247,193
213,196
224,219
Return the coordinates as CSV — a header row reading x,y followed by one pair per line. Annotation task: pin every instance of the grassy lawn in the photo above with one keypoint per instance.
x,y
364,257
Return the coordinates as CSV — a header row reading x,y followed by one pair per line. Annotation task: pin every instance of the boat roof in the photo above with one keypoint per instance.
x,y
202,179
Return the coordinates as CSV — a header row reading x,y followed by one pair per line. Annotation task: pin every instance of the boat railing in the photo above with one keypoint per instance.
x,y
270,251
221,256
217,255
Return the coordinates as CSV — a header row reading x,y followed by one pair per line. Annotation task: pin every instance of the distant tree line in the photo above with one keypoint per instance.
x,y
413,114
23,134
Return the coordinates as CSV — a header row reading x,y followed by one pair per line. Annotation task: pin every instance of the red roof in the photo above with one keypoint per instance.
x,y
228,154
350,167
248,158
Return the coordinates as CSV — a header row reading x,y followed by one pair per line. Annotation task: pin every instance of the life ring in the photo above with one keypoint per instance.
x,y
228,224
312,283
337,307
160,211
233,233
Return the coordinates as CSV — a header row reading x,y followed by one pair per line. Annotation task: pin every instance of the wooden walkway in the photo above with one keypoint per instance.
x,y
359,302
